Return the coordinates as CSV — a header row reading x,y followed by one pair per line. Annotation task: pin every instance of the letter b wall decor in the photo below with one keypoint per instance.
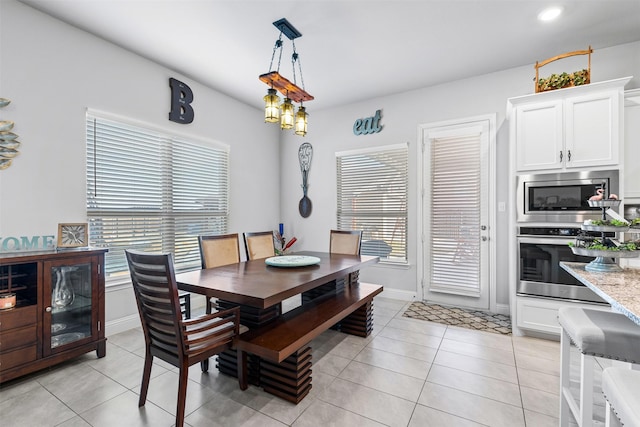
x,y
181,99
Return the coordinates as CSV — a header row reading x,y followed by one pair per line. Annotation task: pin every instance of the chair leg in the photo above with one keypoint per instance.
x,y
242,369
586,390
565,377
182,395
208,307
204,365
146,376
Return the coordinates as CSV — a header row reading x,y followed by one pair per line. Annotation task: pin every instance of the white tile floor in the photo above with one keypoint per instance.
x,y
408,373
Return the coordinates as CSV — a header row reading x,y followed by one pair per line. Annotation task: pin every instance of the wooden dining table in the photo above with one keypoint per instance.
x,y
279,357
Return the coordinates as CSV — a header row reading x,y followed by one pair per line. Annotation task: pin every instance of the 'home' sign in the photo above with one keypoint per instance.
x,y
26,243
368,125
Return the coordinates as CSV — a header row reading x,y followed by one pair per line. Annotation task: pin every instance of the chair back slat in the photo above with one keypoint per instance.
x,y
156,293
346,242
259,245
219,250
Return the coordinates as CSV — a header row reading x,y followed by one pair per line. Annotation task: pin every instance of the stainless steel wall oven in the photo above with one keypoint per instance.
x,y
540,251
550,211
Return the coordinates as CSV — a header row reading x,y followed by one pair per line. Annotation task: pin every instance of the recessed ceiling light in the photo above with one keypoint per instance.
x,y
549,14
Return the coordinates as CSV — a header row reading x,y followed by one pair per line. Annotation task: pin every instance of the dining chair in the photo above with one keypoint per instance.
x,y
216,251
259,245
179,342
347,242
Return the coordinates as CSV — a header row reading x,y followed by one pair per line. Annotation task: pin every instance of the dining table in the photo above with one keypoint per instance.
x,y
621,288
278,357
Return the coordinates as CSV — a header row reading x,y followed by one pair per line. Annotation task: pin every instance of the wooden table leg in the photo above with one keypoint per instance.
x,y
242,371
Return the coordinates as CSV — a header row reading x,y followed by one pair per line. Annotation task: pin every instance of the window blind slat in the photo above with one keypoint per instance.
x,y
152,192
372,189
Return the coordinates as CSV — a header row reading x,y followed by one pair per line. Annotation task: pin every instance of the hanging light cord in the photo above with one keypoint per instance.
x,y
277,46
295,57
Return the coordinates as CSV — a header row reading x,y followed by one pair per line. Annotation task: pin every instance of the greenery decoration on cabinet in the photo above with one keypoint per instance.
x,y
562,80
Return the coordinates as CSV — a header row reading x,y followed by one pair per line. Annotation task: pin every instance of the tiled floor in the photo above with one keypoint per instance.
x,y
408,373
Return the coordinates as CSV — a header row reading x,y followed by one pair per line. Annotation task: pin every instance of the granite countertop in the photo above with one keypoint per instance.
x,y
620,289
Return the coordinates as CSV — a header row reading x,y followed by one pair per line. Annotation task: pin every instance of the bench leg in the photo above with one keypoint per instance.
x,y
291,379
360,322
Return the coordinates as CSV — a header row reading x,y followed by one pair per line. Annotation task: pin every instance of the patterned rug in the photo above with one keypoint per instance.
x,y
464,318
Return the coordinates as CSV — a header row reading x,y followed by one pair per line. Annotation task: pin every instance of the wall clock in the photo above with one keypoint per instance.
x,y
73,235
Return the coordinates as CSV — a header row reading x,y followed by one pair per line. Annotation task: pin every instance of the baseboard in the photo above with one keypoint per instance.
x,y
398,294
122,324
503,309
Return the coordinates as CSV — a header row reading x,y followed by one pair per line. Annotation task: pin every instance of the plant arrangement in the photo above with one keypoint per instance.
x,y
559,81
608,223
604,245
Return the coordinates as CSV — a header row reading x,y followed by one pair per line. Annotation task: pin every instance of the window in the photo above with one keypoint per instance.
x,y
153,192
372,197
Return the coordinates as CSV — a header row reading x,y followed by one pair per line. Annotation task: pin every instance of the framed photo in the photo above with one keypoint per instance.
x,y
73,235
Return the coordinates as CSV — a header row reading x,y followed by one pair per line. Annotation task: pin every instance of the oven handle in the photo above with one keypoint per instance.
x,y
558,241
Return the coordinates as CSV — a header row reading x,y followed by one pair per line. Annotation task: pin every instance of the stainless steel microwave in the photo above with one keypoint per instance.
x,y
562,197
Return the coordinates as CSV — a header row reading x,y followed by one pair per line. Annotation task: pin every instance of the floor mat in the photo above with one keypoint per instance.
x,y
464,318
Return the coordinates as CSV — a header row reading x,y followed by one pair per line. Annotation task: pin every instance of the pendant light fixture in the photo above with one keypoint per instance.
x,y
284,113
271,107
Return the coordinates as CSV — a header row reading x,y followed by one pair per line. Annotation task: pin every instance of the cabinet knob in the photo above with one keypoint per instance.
x,y
48,309
568,155
560,155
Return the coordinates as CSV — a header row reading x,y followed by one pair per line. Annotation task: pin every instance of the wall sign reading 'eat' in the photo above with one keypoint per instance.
x,y
368,125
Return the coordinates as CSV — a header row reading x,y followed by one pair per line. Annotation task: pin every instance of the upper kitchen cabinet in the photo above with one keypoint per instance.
x,y
567,129
632,146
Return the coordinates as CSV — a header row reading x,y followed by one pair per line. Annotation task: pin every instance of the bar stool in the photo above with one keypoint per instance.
x,y
595,333
621,389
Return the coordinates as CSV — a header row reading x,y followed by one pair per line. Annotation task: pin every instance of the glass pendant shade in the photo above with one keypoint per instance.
x,y
271,107
301,122
286,114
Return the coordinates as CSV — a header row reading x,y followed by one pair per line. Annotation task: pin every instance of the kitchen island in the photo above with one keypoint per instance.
x,y
620,289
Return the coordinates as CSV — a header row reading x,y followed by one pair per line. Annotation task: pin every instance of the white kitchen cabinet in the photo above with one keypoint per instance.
x,y
632,146
541,315
568,129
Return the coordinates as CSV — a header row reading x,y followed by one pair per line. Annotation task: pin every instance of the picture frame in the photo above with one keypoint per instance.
x,y
73,234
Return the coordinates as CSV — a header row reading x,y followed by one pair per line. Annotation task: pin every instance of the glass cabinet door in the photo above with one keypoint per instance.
x,y
69,314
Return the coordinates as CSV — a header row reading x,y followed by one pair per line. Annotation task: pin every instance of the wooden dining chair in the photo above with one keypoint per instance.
x,y
259,245
181,343
216,251
346,242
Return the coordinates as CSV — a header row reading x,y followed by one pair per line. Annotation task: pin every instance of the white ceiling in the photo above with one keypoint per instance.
x,y
350,50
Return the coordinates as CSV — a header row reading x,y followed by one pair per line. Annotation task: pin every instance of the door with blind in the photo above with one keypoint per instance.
x,y
456,217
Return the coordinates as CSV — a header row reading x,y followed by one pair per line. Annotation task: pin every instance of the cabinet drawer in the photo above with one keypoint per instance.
x,y
17,317
18,338
18,357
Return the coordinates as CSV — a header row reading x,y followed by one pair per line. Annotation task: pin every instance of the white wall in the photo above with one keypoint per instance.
x,y
53,72
330,131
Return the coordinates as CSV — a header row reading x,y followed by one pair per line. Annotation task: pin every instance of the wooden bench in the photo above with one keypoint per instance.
x,y
281,345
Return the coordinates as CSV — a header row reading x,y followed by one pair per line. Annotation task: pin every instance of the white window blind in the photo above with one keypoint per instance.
x,y
372,197
152,192
455,215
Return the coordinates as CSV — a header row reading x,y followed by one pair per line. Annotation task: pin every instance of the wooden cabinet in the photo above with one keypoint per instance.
x,y
568,129
59,312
